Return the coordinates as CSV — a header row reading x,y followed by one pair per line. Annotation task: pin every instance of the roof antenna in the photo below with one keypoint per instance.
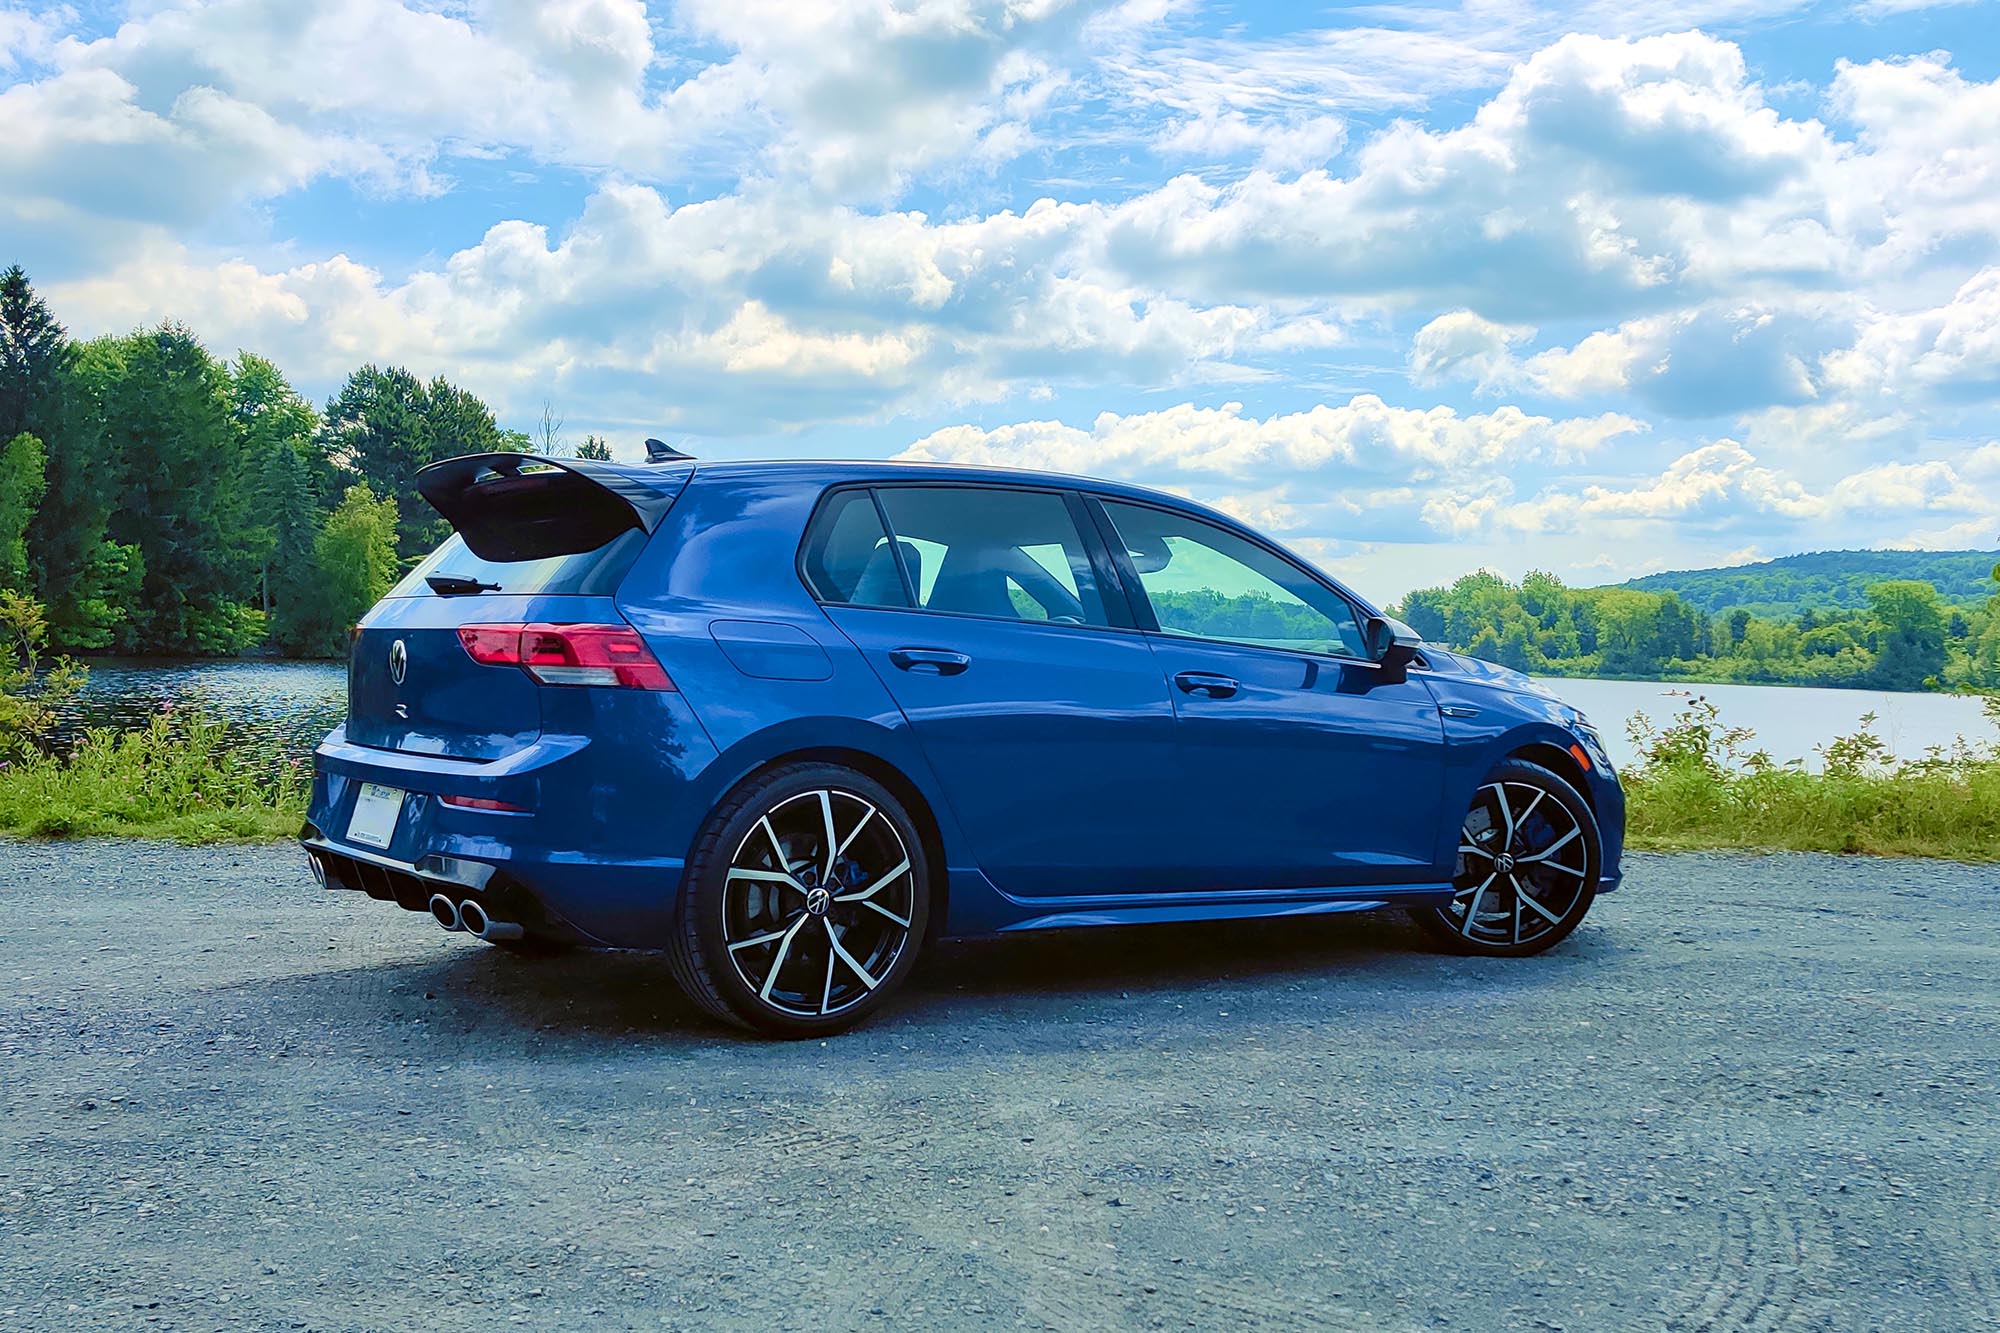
x,y
658,451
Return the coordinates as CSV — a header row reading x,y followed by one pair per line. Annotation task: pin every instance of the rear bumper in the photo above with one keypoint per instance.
x,y
584,865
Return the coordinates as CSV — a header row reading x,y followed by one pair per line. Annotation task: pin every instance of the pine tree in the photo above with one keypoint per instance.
x,y
594,447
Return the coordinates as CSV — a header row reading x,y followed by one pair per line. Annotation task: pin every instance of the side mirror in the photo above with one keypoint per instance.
x,y
1392,644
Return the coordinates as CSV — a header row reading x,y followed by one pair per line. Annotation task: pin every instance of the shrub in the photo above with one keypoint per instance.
x,y
1698,784
183,776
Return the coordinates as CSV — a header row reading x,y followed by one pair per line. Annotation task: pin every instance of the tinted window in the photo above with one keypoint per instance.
x,y
1206,582
593,572
847,557
1010,554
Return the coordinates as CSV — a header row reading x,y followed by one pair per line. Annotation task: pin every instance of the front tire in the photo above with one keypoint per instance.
x,y
1528,862
804,903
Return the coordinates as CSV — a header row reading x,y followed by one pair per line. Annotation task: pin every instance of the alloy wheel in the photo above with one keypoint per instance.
x,y
1523,866
818,903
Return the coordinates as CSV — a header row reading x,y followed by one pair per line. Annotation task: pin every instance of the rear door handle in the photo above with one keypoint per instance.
x,y
1205,684
930,661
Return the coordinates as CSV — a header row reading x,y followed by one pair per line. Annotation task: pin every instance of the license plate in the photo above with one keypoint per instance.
x,y
376,811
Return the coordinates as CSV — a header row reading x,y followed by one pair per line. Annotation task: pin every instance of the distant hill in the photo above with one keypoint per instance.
x,y
1825,580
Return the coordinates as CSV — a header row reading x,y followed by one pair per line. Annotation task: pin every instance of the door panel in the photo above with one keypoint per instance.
x,y
1303,771
1054,745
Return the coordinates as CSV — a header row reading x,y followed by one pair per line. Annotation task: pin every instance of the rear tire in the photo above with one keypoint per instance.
x,y
1527,868
804,903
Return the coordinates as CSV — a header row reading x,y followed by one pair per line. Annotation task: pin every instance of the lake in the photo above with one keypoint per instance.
x,y
295,703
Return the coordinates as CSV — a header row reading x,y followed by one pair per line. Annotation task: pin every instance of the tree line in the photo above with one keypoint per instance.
x,y
156,499
1907,637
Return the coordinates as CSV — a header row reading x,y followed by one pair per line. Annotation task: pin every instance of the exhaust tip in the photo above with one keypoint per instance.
x,y
445,911
475,919
318,868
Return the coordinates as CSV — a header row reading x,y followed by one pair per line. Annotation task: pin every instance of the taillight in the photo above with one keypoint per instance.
x,y
484,803
612,655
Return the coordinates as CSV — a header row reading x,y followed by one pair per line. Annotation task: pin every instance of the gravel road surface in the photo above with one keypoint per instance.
x,y
1750,1093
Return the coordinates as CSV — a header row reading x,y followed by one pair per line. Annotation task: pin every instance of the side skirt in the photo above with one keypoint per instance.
x,y
980,908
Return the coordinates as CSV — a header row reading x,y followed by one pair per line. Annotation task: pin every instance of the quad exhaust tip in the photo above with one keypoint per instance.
x,y
446,912
472,917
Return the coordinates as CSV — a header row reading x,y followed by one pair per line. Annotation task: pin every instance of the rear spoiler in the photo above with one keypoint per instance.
x,y
527,507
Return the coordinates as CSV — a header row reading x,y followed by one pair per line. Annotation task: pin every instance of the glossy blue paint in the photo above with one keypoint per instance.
x,y
1062,778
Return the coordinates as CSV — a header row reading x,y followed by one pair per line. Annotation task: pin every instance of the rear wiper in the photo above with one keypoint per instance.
x,y
457,585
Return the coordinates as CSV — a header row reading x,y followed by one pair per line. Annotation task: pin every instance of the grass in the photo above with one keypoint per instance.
x,y
181,777
1699,786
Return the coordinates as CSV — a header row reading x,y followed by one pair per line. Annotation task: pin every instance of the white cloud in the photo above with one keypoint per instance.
x,y
1720,486
1289,143
1461,345
1951,351
1364,436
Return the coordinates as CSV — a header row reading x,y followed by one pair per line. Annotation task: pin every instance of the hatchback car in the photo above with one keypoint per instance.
x,y
790,721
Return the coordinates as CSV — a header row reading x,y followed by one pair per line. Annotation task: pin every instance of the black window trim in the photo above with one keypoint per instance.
x,y
1143,605
1112,589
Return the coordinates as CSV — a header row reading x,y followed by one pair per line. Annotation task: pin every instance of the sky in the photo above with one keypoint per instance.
x,y
1601,289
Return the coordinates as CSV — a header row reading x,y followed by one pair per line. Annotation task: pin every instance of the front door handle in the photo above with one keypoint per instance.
x,y
930,661
1207,685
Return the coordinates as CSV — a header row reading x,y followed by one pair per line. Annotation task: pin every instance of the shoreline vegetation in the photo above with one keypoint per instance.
x,y
1698,785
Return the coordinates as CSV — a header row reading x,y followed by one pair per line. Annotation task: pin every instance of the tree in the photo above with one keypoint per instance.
x,y
23,479
34,352
379,433
356,553
175,457
594,447
279,431
385,425
292,570
1909,626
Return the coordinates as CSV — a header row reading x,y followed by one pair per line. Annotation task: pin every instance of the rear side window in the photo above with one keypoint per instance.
x,y
847,557
595,572
1011,555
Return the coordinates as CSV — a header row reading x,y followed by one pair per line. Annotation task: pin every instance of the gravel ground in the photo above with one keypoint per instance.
x,y
1749,1093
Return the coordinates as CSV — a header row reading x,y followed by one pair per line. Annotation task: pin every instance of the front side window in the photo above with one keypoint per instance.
x,y
1013,555
1206,582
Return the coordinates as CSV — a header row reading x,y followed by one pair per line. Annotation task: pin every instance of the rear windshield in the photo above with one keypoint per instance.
x,y
591,573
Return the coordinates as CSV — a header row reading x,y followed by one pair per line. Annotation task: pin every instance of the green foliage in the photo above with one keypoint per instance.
x,y
179,501
182,776
1909,623
594,447
23,480
356,559
1901,641
385,424
31,700
1698,784
1824,581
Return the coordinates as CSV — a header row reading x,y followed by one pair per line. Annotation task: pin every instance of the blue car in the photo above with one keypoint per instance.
x,y
790,721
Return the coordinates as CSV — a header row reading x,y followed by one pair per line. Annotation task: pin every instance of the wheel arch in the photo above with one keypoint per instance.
x,y
1559,762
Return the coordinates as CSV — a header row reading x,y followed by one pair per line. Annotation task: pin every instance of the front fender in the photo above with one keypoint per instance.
x,y
1486,723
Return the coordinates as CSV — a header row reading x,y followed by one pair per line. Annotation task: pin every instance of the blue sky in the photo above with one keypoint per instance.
x,y
1601,289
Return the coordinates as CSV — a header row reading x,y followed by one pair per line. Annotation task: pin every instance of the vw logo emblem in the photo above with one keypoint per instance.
x,y
818,901
399,661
